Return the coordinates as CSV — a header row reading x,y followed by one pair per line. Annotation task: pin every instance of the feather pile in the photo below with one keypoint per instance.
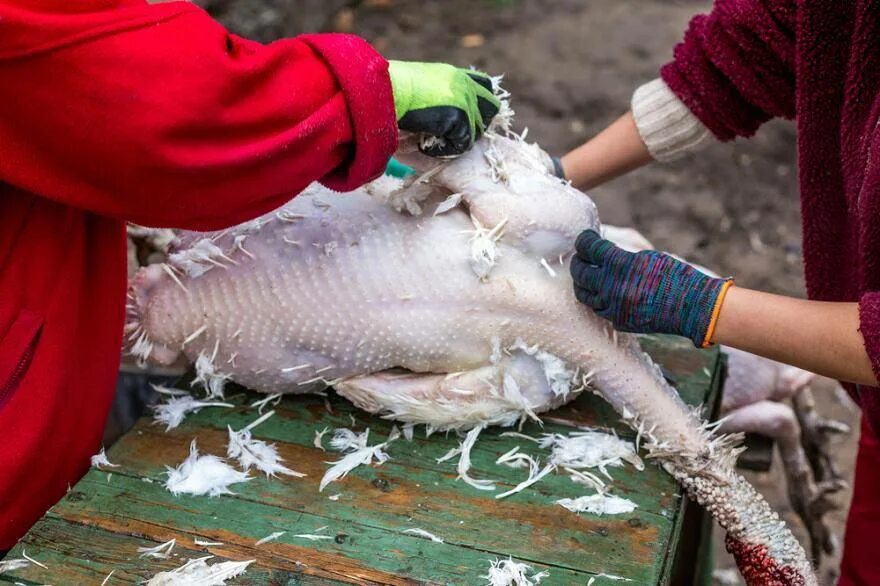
x,y
13,564
200,475
510,573
198,571
590,449
598,504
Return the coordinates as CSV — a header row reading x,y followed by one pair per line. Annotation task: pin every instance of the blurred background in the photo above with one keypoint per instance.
x,y
571,67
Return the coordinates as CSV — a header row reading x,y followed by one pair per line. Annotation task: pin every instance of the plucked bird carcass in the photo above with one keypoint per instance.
x,y
446,301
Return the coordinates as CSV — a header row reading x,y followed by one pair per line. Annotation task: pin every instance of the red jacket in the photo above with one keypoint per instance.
x,y
115,111
817,61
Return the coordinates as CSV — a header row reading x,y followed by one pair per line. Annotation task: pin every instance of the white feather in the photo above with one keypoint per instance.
x,y
161,551
270,537
319,435
345,440
207,375
254,453
173,412
423,533
100,459
313,536
532,479
198,258
447,204
464,462
598,504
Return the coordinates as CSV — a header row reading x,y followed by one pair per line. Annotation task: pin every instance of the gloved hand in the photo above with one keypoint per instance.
x,y
646,292
455,105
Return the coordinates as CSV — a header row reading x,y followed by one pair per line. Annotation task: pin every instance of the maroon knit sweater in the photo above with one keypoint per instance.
x,y
817,61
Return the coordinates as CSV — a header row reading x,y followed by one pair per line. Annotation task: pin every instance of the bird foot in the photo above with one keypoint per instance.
x,y
812,501
817,434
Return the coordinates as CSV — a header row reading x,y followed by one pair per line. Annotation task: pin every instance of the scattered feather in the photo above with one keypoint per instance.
x,y
202,542
464,462
198,571
199,258
335,497
547,266
610,577
319,435
199,475
484,250
313,536
598,504
510,573
270,537
173,412
532,479
453,452
358,453
520,436
107,577
100,459
161,551
425,534
32,560
169,391
207,375
254,453
274,398
447,204
587,478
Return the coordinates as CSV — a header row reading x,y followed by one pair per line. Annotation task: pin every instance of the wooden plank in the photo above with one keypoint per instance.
x,y
690,537
79,554
102,519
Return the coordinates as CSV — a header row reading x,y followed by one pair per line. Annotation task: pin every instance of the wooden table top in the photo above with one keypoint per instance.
x,y
98,526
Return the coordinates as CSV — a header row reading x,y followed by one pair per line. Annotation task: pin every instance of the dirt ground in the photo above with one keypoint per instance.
x,y
571,66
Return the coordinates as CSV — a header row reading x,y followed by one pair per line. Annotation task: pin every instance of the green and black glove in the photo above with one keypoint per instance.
x,y
455,105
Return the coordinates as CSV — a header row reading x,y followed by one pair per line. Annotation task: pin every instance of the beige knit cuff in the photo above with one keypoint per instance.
x,y
666,125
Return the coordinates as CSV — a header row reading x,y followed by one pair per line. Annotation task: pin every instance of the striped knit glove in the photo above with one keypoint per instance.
x,y
646,292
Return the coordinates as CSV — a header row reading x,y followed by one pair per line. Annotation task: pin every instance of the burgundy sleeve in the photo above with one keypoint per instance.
x,y
157,115
735,67
869,326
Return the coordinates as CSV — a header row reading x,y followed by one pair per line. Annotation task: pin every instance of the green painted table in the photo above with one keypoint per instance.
x,y
98,526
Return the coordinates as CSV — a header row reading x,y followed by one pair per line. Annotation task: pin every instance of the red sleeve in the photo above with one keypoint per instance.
x,y
156,115
869,326
735,67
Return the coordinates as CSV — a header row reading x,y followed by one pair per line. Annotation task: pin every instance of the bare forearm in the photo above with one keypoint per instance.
x,y
820,337
616,150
